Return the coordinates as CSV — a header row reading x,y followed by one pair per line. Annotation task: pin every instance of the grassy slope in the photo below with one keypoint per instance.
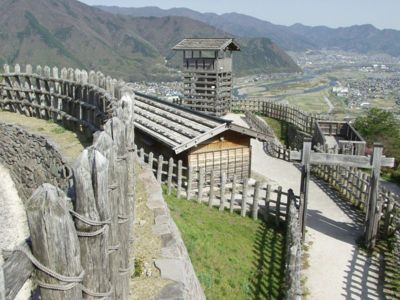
x,y
234,257
276,126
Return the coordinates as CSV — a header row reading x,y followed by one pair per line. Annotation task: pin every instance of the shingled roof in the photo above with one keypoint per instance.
x,y
180,128
207,44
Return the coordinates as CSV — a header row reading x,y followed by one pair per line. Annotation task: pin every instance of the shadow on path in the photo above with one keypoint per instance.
x,y
364,273
266,281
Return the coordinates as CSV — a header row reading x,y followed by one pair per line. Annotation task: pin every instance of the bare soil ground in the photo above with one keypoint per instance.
x,y
146,248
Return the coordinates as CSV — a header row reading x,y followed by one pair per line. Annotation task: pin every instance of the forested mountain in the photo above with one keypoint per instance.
x,y
70,33
358,38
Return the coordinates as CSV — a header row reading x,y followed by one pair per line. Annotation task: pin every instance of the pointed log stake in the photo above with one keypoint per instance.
x,y
105,145
54,240
117,130
91,184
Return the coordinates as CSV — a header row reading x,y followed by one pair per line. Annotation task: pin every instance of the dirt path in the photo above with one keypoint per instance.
x,y
338,270
331,107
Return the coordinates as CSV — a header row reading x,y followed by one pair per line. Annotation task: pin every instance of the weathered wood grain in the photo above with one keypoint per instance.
x,y
91,188
14,272
54,240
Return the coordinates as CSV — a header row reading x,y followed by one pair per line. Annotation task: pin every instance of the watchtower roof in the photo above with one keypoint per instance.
x,y
180,128
207,44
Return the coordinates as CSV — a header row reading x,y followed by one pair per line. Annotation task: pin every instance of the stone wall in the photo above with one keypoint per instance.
x,y
174,262
31,160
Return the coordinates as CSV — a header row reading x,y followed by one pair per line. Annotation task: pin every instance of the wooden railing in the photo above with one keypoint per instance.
x,y
272,146
302,120
354,185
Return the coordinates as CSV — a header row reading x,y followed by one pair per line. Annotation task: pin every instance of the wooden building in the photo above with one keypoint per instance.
x,y
207,74
198,139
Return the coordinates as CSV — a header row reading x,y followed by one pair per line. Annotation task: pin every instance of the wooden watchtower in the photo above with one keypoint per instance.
x,y
207,73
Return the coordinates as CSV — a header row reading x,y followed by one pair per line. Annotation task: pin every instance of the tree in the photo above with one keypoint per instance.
x,y
380,126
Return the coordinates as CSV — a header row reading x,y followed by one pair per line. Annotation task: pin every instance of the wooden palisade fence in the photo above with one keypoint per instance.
x,y
80,248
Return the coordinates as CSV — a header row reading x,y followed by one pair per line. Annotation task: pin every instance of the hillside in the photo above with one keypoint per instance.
x,y
237,24
70,33
361,38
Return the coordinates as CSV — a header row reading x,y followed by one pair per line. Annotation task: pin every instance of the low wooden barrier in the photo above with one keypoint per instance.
x,y
304,121
354,185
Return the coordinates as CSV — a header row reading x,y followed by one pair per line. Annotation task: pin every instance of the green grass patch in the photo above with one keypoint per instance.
x,y
278,127
234,257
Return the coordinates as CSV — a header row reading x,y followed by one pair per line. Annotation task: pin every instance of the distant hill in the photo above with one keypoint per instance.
x,y
70,33
360,38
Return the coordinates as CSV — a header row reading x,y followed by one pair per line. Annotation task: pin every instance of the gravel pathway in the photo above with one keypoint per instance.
x,y
338,270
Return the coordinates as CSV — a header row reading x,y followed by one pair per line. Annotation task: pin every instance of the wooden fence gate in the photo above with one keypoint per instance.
x,y
375,162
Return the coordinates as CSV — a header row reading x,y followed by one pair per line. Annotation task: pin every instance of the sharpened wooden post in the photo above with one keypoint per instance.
x,y
201,185
222,192
189,183
151,160
305,182
233,194
373,212
388,217
141,154
54,240
169,176
244,197
278,206
256,198
179,180
124,212
212,188
105,145
91,186
267,203
160,168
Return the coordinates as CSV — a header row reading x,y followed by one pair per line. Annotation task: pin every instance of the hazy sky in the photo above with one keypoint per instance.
x,y
333,13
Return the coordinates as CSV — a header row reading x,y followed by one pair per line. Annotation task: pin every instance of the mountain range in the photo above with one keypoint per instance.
x,y
358,38
72,34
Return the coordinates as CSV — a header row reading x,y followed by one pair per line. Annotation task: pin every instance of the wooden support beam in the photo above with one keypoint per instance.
x,y
304,185
179,180
373,210
212,187
14,272
222,192
233,194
